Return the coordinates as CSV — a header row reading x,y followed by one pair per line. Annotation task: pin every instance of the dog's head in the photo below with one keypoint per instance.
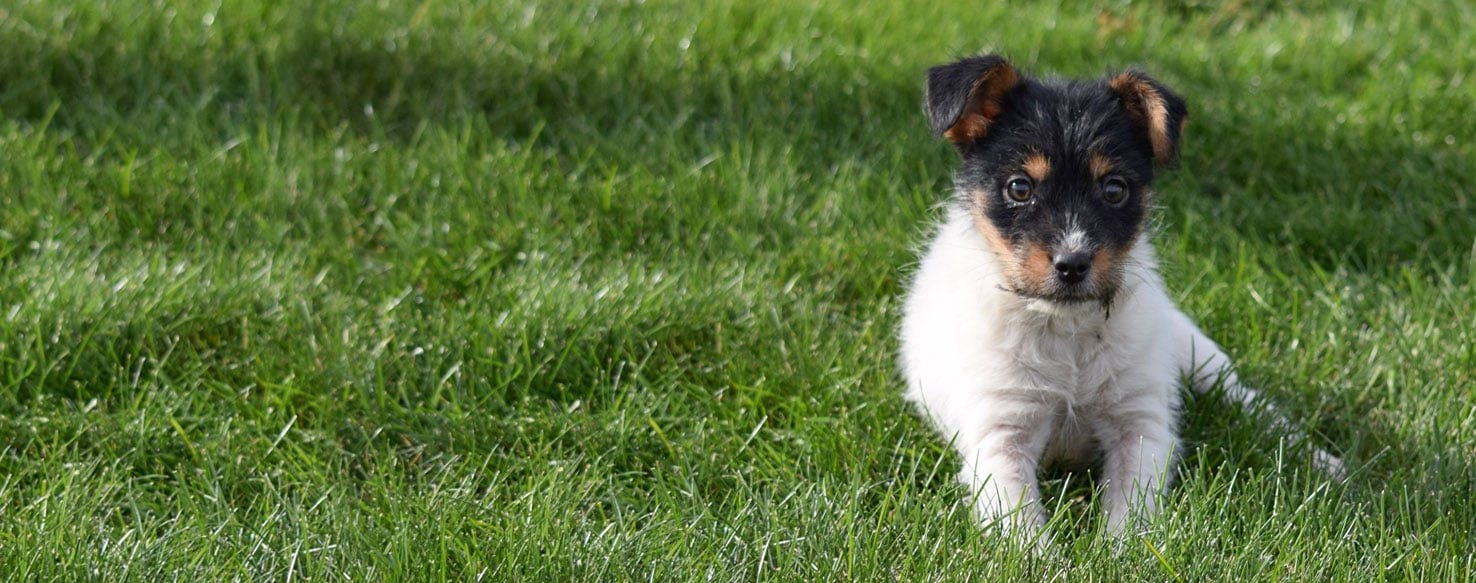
x,y
1056,173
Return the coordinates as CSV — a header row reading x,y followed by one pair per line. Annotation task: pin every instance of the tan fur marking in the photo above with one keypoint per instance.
x,y
986,103
1036,269
1101,165
1038,167
1107,264
1009,261
1145,104
969,127
1157,124
1123,83
1001,247
1104,263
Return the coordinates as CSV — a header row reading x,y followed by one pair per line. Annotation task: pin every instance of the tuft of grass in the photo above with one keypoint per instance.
x,y
608,290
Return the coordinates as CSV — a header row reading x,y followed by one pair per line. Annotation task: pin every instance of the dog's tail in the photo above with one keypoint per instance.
x,y
1208,367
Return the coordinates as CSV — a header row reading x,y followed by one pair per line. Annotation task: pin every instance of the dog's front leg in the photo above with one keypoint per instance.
x,y
1138,450
1001,470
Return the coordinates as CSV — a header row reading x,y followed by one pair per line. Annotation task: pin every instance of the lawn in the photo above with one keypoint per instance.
x,y
606,291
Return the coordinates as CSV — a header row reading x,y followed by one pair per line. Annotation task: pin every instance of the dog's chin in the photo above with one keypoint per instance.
x,y
1068,295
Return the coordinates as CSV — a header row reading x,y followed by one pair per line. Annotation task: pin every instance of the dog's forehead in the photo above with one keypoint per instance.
x,y
1069,117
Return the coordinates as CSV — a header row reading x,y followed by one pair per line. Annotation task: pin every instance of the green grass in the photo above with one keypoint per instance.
x,y
538,291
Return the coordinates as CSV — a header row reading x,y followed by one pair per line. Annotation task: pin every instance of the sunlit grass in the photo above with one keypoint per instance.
x,y
609,291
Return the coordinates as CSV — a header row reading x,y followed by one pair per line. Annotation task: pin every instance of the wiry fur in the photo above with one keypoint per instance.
x,y
1018,373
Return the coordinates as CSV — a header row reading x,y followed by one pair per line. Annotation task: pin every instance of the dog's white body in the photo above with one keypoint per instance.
x,y
1017,382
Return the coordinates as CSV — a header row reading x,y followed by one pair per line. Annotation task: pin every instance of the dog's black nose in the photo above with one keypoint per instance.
x,y
1072,267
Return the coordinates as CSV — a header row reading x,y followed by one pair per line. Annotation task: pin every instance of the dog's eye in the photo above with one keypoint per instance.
x,y
1019,189
1114,190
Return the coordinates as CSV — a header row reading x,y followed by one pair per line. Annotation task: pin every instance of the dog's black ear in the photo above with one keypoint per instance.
x,y
1157,110
964,98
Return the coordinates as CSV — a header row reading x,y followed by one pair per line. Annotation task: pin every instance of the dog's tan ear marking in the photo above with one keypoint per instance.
x,y
1157,110
966,97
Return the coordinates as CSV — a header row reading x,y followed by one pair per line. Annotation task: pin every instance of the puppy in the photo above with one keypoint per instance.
x,y
1037,331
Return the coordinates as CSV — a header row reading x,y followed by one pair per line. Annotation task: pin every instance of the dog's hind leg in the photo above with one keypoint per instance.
x,y
1207,367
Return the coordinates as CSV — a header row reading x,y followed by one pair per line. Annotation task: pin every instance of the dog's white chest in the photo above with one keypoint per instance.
x,y
1066,353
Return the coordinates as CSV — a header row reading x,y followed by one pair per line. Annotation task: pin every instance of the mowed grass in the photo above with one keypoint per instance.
x,y
609,290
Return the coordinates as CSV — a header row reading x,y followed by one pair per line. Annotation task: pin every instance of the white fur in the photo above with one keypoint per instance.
x,y
1017,383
